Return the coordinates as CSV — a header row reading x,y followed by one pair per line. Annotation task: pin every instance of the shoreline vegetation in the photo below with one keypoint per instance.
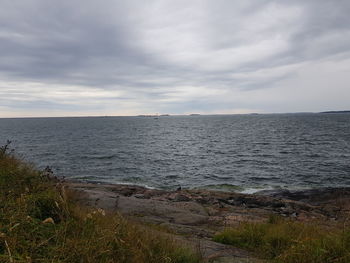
x,y
43,219
40,223
288,241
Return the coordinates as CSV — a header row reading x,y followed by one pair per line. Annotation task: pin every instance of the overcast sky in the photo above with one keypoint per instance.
x,y
85,57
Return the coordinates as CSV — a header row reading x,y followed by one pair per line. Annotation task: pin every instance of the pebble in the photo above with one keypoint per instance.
x,y
48,220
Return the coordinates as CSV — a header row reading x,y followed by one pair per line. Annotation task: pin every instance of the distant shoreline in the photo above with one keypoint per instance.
x,y
344,111
176,115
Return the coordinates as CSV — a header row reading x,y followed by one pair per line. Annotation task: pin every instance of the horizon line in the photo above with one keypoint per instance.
x,y
169,115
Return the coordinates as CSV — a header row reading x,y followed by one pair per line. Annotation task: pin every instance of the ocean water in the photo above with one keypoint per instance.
x,y
230,152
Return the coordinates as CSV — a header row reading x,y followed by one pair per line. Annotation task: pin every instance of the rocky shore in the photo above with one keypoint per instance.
x,y
194,216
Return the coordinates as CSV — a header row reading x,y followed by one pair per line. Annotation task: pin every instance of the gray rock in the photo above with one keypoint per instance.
x,y
140,196
181,198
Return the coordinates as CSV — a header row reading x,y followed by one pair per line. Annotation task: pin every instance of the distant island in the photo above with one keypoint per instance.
x,y
153,115
343,111
149,115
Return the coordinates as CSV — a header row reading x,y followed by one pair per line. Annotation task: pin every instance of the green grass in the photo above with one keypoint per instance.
x,y
78,234
289,241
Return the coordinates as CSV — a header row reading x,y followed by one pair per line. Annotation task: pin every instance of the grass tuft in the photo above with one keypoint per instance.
x,y
288,241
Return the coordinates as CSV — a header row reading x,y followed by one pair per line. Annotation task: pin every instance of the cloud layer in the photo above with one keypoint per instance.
x,y
68,58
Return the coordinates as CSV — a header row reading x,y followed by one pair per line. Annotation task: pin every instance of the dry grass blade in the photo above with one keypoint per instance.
x,y
9,252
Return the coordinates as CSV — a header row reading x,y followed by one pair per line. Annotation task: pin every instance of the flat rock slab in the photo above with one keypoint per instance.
x,y
201,213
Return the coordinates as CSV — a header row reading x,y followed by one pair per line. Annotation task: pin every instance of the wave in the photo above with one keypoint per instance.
x,y
99,157
222,187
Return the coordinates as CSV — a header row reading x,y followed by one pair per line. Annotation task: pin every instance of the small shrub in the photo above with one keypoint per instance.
x,y
44,205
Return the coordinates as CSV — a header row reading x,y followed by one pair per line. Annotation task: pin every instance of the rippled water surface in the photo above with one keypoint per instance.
x,y
223,152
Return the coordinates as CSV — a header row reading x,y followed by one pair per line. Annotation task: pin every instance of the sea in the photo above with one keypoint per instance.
x,y
240,153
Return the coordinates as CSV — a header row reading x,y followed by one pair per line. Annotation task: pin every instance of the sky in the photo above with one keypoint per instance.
x,y
111,57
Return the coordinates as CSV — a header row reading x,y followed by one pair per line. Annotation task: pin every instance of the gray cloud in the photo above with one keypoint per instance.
x,y
132,57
